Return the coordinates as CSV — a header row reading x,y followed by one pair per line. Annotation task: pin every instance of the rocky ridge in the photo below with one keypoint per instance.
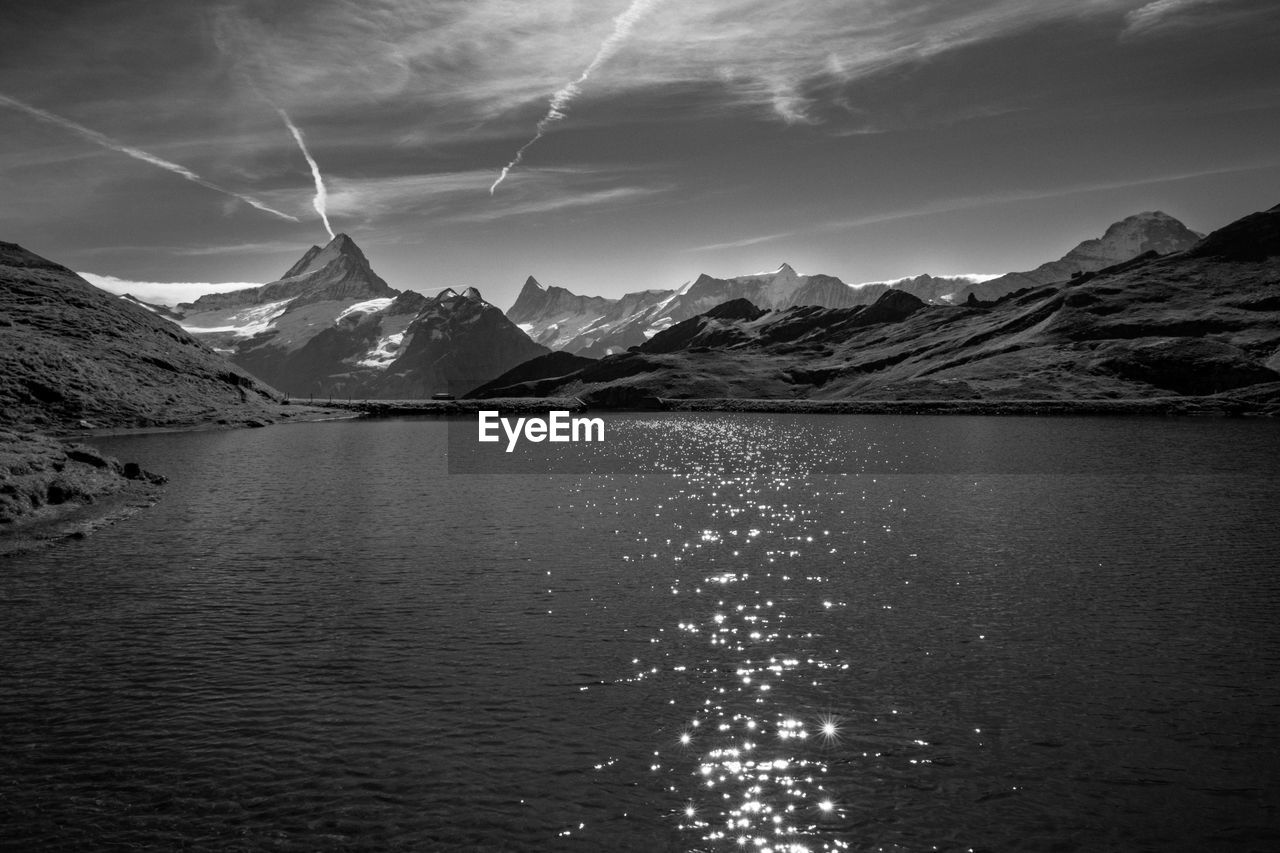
x,y
596,326
1199,323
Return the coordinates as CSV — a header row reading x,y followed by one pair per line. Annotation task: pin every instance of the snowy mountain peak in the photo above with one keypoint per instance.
x,y
472,293
447,293
1143,232
315,259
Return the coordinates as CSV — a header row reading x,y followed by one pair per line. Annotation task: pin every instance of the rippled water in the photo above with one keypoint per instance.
x,y
757,632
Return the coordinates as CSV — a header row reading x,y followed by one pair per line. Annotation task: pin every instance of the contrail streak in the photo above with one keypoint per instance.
x,y
560,100
136,153
321,201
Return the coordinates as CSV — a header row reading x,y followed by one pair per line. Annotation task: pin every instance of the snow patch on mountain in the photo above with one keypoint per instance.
x,y
244,323
369,306
385,352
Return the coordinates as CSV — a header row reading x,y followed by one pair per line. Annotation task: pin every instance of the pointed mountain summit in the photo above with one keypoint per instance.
x,y
339,248
337,271
554,316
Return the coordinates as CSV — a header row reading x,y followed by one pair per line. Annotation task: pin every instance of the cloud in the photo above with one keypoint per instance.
x,y
163,292
320,201
137,154
739,244
257,247
460,196
584,198
558,108
459,67
1160,14
952,205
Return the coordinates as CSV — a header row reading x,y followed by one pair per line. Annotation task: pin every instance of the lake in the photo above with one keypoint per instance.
x,y
712,632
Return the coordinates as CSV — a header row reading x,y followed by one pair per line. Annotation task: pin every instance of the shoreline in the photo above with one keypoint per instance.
x,y
110,495
52,489
506,405
1142,407
49,526
1159,406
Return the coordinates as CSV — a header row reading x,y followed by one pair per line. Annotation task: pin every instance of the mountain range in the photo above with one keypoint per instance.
x,y
1203,321
330,326
598,326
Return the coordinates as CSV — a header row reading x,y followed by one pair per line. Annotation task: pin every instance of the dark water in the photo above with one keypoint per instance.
x,y
321,640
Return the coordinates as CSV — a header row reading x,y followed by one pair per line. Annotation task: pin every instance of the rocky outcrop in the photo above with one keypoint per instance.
x,y
47,489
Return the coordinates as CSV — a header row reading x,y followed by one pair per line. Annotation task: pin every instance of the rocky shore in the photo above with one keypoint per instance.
x,y
53,487
50,490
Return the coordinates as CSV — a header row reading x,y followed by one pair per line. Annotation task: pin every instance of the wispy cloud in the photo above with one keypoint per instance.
x,y
320,201
1160,14
739,244
258,247
136,153
970,202
585,198
560,101
452,197
477,65
162,292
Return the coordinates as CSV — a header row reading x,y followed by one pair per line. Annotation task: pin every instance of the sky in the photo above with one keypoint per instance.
x,y
198,146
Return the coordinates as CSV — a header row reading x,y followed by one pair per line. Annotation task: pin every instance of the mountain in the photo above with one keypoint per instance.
x,y
337,272
553,316
332,327
75,353
1202,323
597,326
456,342
1130,237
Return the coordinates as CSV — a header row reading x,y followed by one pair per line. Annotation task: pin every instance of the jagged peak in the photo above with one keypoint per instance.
x,y
447,293
784,269
302,263
533,283
473,294
317,258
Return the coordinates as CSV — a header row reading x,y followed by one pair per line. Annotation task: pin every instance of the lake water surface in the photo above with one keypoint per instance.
x,y
755,632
